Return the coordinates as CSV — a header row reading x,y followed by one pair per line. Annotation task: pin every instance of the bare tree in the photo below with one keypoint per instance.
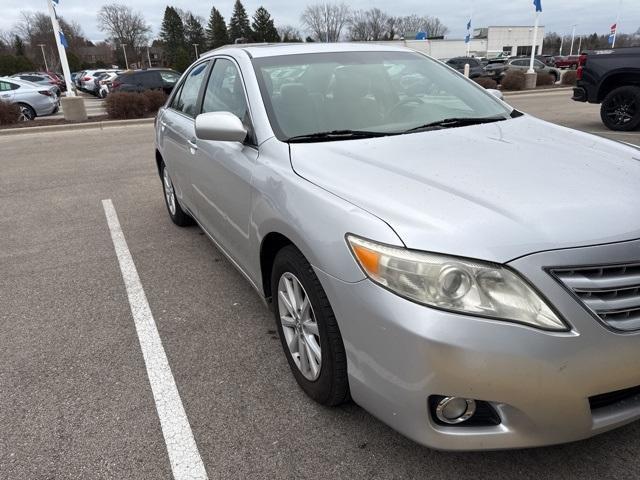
x,y
289,34
124,26
326,21
414,23
358,26
434,27
377,21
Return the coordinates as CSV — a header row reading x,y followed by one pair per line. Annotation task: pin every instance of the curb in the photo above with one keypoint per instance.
x,y
76,126
537,92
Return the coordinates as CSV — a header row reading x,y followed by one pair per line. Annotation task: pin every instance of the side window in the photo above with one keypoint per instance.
x,y
169,77
6,86
225,92
187,98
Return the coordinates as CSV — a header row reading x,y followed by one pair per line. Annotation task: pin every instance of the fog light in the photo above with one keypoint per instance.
x,y
454,410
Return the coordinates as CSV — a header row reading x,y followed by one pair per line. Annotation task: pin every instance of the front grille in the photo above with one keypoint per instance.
x,y
610,292
613,398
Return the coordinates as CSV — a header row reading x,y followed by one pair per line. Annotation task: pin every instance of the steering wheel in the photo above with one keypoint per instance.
x,y
405,101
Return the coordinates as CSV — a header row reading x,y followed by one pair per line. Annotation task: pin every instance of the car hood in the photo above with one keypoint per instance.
x,y
495,191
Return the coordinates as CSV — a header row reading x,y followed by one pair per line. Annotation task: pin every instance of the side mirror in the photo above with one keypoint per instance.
x,y
496,93
220,126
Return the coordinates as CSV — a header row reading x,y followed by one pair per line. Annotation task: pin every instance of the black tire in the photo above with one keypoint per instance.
x,y
27,113
179,216
331,388
620,110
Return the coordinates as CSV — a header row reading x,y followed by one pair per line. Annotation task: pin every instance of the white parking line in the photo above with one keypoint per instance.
x,y
184,457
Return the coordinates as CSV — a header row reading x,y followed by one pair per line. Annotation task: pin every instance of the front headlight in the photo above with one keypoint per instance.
x,y
456,284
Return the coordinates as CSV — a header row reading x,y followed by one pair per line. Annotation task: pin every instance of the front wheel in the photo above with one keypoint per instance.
x,y
308,329
620,109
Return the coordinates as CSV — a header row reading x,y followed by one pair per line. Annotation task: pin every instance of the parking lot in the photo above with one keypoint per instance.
x,y
75,395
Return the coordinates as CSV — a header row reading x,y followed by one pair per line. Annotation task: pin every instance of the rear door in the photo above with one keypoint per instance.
x,y
177,126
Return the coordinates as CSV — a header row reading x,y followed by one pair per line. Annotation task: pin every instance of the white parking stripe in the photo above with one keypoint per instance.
x,y
184,457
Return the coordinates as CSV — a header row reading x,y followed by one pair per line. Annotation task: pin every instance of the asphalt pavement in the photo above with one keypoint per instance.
x,y
75,395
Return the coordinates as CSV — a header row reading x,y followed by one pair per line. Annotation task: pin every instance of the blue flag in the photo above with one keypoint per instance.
x,y
63,40
538,4
467,39
55,1
469,25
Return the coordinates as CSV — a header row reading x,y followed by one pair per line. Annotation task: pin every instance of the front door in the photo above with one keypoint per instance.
x,y
222,171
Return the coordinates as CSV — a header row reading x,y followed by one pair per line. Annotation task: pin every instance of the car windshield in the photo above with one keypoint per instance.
x,y
374,92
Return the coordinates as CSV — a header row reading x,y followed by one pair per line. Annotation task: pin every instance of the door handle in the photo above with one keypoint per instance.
x,y
6,95
163,125
193,146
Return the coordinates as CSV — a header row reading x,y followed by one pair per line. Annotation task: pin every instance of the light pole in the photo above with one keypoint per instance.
x,y
561,44
44,57
148,57
124,50
196,45
580,45
573,37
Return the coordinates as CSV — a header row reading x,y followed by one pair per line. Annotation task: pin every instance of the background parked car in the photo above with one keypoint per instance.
x,y
105,81
611,78
34,100
150,79
475,67
522,63
88,80
548,60
570,61
39,79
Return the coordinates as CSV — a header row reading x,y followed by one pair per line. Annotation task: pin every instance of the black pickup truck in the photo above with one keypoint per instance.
x,y
612,78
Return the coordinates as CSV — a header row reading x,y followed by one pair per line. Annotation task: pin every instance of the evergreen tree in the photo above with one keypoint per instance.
x,y
194,34
217,35
239,24
18,46
264,29
172,35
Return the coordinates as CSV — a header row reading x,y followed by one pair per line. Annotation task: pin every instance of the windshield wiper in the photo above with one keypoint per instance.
x,y
455,122
335,135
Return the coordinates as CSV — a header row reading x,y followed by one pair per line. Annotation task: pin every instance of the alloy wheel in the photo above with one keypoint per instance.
x,y
299,326
169,192
25,114
623,108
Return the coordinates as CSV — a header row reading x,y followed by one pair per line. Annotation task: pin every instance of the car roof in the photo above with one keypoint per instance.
x,y
276,49
22,83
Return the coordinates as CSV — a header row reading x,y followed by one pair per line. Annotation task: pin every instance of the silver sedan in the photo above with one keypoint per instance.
x,y
34,100
468,274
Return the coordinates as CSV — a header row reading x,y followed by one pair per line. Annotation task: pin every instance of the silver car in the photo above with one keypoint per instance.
x,y
34,100
469,300
539,67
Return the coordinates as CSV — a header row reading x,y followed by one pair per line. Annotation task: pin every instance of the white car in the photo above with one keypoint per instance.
x,y
105,81
34,100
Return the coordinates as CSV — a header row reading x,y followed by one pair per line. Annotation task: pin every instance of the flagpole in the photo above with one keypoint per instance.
x,y
61,50
535,43
615,33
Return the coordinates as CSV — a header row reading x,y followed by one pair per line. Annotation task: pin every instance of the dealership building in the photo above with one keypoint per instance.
x,y
485,42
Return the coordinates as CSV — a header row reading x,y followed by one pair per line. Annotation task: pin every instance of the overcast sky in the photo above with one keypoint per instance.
x,y
558,15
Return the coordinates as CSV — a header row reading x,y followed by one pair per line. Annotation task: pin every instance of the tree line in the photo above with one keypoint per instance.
x,y
183,34
553,41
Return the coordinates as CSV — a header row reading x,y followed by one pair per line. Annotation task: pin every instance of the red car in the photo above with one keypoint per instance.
x,y
570,61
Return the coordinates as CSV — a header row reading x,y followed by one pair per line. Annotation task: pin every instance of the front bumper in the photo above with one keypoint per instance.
x,y
400,353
